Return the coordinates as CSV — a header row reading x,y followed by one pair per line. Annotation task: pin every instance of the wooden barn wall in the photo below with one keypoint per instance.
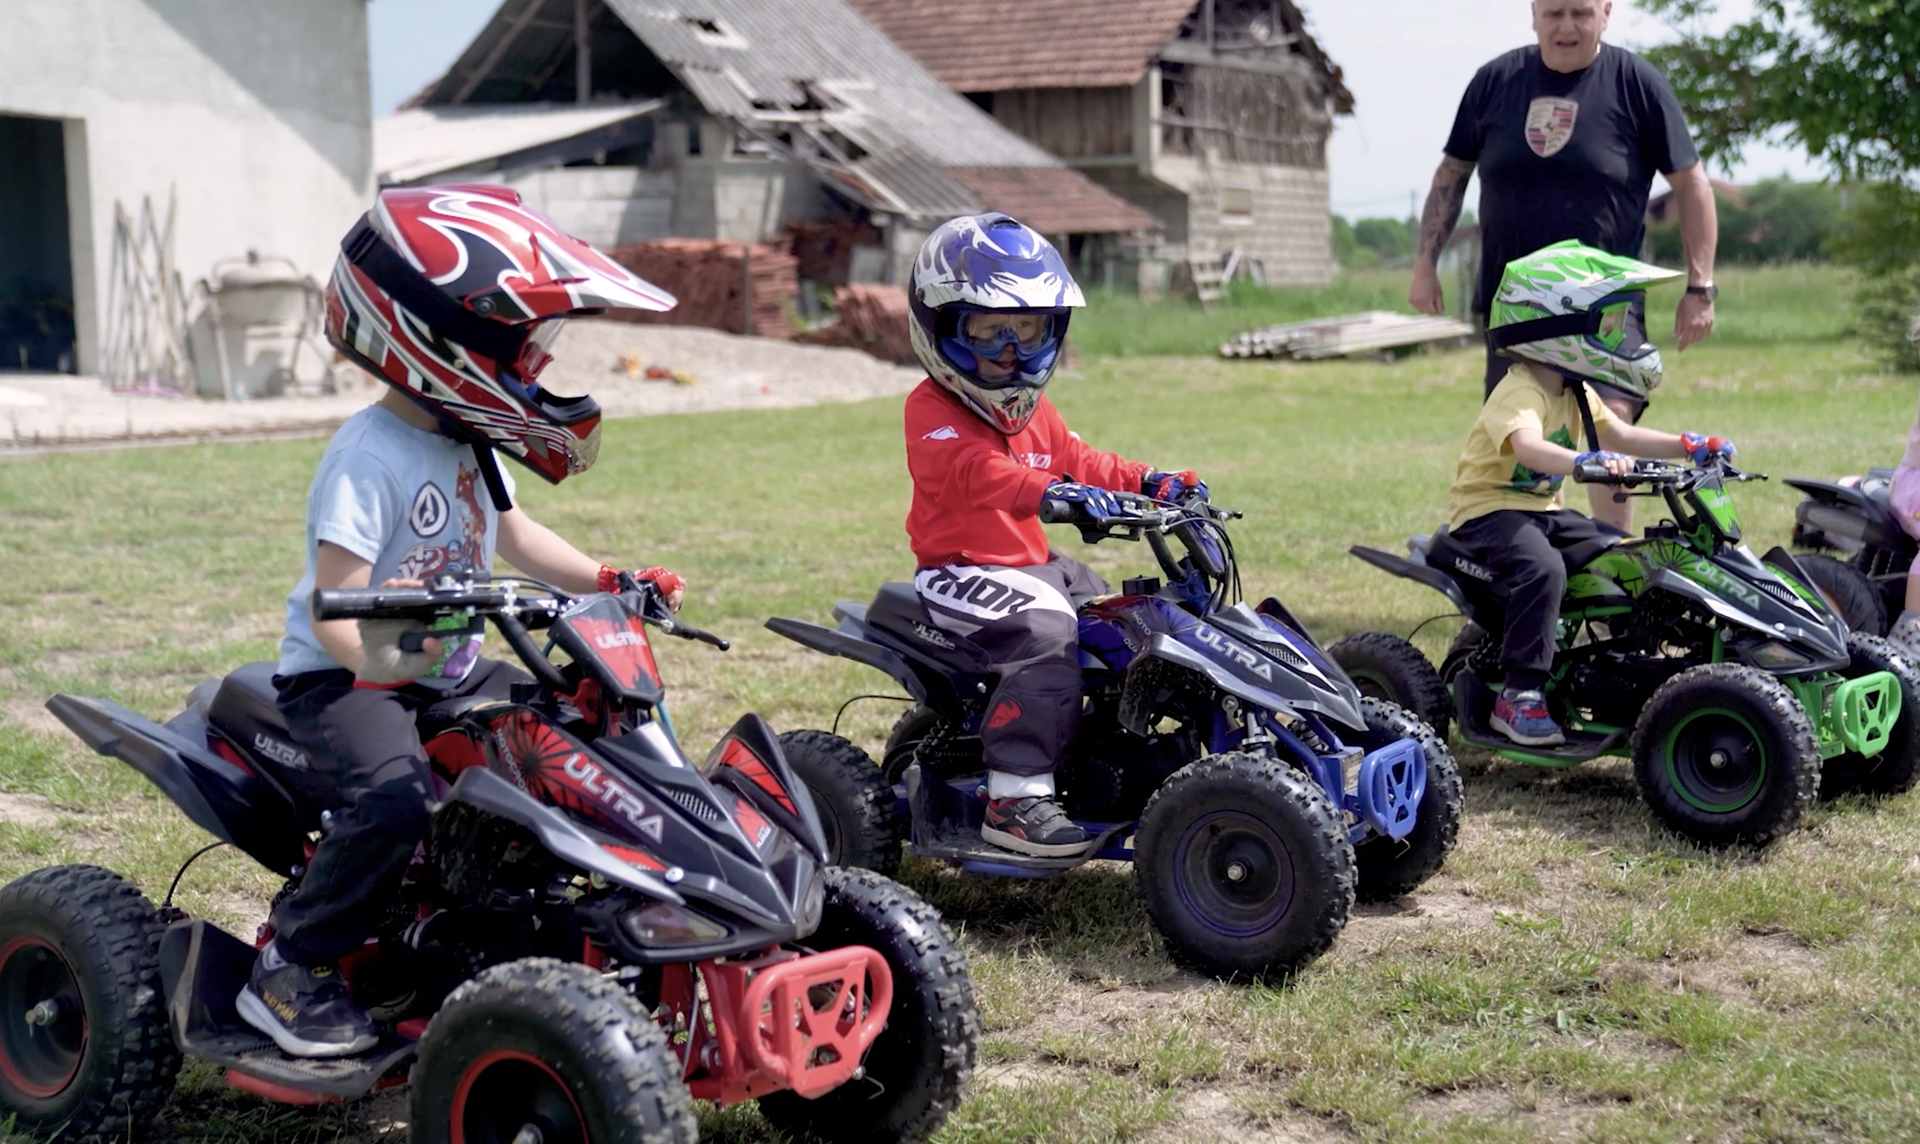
x,y
1288,229
1246,116
1071,122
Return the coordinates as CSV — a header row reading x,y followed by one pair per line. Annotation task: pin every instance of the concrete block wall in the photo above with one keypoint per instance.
x,y
255,112
606,206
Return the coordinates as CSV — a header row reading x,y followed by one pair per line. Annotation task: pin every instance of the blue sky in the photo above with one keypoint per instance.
x,y
1406,61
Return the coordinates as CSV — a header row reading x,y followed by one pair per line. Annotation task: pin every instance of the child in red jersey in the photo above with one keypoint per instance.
x,y
990,302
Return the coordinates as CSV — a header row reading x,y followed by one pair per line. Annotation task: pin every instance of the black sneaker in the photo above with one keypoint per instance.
x,y
1033,826
306,1011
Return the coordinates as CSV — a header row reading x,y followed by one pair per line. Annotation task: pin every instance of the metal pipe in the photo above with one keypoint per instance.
x,y
582,54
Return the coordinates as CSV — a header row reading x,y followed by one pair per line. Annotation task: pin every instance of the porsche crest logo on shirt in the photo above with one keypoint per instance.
x,y
1550,123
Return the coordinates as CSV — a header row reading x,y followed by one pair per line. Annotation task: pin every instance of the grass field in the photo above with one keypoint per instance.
x,y
1573,974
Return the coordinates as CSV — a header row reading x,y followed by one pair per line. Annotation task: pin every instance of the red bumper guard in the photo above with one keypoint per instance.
x,y
783,1021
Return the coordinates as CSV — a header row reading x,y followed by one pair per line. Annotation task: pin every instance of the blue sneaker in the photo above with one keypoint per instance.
x,y
1522,716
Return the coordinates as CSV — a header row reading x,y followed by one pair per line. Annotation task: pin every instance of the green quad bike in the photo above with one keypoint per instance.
x,y
1729,678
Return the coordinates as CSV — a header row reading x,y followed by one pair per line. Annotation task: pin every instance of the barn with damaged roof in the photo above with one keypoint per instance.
x,y
632,120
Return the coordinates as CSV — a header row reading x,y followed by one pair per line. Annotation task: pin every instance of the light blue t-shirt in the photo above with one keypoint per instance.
x,y
410,502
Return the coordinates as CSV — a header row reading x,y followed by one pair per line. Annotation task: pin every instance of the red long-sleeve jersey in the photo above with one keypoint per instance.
x,y
976,492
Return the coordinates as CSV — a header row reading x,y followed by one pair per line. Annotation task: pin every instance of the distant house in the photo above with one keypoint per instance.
x,y
252,116
1214,115
634,119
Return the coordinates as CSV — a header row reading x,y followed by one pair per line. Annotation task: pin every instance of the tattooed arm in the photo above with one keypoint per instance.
x,y
1442,214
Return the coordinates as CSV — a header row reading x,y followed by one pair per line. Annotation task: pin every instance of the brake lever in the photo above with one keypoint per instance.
x,y
674,627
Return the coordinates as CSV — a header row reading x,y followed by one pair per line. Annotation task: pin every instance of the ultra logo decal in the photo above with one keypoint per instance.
x,y
1232,650
613,794
1719,579
284,753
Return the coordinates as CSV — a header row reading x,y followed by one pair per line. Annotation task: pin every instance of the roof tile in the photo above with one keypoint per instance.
x,y
1053,200
1061,43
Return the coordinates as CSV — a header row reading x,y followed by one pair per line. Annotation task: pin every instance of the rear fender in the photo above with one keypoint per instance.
x,y
483,790
853,646
1418,573
224,798
1845,514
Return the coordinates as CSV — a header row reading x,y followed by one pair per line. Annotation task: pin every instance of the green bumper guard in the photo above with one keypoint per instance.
x,y
1864,711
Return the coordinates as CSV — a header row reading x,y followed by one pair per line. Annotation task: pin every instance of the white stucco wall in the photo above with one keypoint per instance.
x,y
257,112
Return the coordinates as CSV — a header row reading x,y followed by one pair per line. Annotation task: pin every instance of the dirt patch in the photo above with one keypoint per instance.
x,y
1535,1119
1210,1115
1083,1009
1442,904
727,372
30,810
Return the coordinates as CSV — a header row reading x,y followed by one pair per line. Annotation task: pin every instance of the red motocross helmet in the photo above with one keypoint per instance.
x,y
453,294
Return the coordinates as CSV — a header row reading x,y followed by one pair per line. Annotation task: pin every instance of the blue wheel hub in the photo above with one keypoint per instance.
x,y
1234,873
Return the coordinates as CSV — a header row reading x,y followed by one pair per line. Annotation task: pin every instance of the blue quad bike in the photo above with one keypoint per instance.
x,y
598,929
1256,792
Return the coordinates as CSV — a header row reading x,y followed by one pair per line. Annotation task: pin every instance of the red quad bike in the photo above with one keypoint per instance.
x,y
597,933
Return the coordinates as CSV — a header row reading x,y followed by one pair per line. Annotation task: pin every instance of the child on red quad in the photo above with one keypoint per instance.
x,y
449,295
990,303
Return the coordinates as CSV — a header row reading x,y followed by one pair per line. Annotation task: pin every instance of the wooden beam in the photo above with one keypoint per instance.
x,y
515,25
1189,52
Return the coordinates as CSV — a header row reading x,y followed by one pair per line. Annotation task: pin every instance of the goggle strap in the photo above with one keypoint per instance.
x,y
483,456
1542,329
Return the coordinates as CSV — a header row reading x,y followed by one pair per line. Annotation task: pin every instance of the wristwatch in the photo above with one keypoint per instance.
x,y
1710,292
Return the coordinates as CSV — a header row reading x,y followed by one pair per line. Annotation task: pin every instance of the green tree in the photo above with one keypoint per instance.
x,y
1840,77
1775,220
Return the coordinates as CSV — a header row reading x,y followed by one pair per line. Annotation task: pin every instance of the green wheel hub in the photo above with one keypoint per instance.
x,y
1715,760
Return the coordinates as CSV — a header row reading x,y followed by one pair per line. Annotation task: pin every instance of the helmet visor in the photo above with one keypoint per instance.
x,y
1623,326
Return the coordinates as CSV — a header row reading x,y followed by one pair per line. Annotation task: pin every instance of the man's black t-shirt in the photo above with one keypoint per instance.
x,y
1566,155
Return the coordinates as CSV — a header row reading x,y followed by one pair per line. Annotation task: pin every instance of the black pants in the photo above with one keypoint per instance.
x,y
371,775
1523,552
1025,621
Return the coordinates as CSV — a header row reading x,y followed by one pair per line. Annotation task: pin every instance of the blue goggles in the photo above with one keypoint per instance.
x,y
987,333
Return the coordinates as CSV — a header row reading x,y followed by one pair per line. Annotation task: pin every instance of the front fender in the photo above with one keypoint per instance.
x,y
486,791
1166,648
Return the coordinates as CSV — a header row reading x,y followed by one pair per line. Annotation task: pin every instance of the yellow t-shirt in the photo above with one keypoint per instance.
x,y
1489,477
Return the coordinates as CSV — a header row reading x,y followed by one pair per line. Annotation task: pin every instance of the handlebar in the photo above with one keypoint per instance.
x,y
1659,474
507,604
406,603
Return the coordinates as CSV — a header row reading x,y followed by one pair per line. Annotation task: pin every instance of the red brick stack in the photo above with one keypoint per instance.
x,y
713,286
872,318
825,249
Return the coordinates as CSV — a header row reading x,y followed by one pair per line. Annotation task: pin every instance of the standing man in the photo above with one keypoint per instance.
x,y
1567,136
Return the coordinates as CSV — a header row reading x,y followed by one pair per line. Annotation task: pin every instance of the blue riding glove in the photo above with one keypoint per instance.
x,y
1602,456
1067,500
1701,447
1172,487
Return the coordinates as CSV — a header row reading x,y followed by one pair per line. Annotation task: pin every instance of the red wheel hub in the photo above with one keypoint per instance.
x,y
43,1019
511,1097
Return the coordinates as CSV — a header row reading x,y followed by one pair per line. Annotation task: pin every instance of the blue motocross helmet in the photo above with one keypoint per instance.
x,y
990,302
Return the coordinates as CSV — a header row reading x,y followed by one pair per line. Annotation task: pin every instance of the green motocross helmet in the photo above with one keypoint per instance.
x,y
1581,311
